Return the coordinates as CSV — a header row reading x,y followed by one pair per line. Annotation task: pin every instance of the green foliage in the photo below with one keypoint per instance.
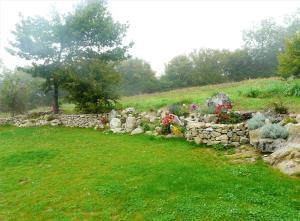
x,y
256,121
92,86
50,117
53,44
230,118
289,60
288,88
146,126
274,131
263,43
14,94
292,89
279,108
206,110
178,109
137,77
252,92
220,147
178,72
287,120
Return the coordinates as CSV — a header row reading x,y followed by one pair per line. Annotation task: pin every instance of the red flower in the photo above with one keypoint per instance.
x,y
167,120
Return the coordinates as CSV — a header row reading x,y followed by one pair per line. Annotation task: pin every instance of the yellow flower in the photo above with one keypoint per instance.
x,y
175,130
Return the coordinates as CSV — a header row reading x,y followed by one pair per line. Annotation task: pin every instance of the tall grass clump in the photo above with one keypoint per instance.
x,y
292,89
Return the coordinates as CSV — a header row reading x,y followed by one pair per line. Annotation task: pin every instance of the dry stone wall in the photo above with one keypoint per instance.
x,y
211,134
199,132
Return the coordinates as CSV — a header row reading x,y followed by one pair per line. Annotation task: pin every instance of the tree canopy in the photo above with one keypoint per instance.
x,y
137,77
89,32
289,61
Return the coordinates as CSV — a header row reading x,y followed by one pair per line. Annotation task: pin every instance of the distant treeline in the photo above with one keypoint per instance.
x,y
257,58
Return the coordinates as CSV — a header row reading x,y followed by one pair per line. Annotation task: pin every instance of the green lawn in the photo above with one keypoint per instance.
x,y
271,89
81,174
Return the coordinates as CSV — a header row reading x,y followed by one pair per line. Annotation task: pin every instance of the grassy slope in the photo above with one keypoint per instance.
x,y
200,94
81,174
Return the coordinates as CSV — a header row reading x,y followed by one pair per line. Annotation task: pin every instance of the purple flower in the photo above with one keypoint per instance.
x,y
193,107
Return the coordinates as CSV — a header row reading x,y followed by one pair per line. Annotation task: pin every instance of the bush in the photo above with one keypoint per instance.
x,y
252,92
206,110
274,131
178,109
288,120
279,108
145,126
256,122
292,89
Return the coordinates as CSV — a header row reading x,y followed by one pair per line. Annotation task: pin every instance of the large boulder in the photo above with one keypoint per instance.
x,y
218,99
287,160
130,123
293,129
294,135
115,123
265,145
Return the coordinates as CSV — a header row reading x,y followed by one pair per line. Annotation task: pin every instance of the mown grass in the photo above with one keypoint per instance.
x,y
271,90
81,174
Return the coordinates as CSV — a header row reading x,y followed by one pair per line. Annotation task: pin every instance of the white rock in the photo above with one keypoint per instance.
x,y
112,114
130,123
115,123
117,130
55,122
137,131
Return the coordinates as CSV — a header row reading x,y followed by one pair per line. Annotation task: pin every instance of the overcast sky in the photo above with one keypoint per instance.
x,y
162,29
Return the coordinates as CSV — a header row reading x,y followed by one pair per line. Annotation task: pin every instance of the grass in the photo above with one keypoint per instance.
x,y
81,174
250,95
270,90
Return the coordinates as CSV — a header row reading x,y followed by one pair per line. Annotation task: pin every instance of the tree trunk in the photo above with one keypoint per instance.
x,y
55,106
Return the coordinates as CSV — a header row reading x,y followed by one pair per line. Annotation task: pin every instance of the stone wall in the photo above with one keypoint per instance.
x,y
211,134
67,120
199,132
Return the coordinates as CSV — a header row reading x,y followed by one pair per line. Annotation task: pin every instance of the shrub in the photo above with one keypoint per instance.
x,y
279,108
256,122
50,117
288,120
226,116
252,92
206,110
178,109
145,126
292,89
274,131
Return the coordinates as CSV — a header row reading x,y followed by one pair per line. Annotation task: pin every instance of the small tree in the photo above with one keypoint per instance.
x,y
13,94
92,86
289,61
